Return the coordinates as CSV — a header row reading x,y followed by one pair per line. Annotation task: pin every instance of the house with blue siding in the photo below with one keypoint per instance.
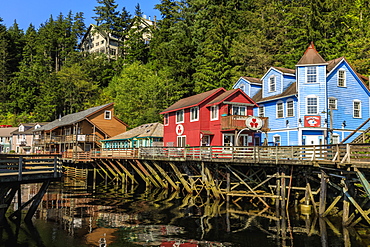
x,y
319,102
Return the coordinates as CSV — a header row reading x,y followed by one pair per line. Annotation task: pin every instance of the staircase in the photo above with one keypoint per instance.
x,y
363,138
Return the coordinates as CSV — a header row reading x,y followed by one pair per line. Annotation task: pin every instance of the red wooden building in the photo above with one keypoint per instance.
x,y
213,118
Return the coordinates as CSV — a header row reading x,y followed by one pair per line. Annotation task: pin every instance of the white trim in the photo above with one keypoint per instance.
x,y
360,108
261,107
282,83
166,116
191,114
183,116
317,104
211,111
282,108
316,74
109,114
344,79
287,112
269,83
336,103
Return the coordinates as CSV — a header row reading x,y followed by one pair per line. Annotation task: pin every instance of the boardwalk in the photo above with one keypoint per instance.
x,y
331,155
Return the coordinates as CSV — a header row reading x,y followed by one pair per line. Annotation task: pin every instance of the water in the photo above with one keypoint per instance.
x,y
77,213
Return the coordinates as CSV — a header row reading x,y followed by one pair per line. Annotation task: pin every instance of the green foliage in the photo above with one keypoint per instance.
x,y
196,45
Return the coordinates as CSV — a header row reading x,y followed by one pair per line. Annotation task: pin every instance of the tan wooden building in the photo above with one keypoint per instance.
x,y
79,132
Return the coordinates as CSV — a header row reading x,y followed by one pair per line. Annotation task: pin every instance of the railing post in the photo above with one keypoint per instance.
x,y
20,168
348,153
55,166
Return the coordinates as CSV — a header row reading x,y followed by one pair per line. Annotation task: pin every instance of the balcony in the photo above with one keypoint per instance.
x,y
238,122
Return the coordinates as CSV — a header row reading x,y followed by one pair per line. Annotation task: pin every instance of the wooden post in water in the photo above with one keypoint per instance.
x,y
323,192
37,200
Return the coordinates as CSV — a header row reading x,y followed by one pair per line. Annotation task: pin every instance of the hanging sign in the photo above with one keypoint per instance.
x,y
254,123
179,129
312,121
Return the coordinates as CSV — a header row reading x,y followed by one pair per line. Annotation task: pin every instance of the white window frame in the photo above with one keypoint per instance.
x,y
308,112
232,139
342,78
311,77
181,141
335,139
276,139
288,109
166,119
279,109
238,109
194,114
333,101
261,111
213,112
272,84
178,114
107,115
357,111
242,87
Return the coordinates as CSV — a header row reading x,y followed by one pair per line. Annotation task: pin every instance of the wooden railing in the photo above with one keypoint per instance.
x,y
23,168
330,154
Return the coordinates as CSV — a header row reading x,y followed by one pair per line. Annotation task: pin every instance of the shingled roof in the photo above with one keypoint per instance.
x,y
291,90
72,118
311,56
252,79
145,130
192,100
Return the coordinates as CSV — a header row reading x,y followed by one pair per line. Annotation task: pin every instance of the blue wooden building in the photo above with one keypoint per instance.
x,y
318,102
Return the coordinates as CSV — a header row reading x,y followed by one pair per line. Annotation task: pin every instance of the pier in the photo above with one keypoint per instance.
x,y
21,169
317,178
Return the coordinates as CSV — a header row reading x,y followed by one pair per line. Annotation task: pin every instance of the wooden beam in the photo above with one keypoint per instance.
x,y
165,175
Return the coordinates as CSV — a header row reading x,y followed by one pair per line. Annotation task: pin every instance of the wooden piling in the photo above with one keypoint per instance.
x,y
323,193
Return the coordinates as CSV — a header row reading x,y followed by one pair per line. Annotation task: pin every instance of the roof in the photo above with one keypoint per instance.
x,y
291,90
5,132
72,118
222,97
311,56
252,79
192,100
285,70
145,130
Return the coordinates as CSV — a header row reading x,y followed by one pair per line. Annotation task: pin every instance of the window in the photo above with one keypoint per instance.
x,y
290,108
272,84
181,141
194,114
166,119
239,110
228,140
214,112
311,74
335,139
341,78
180,116
261,111
332,103
107,115
279,110
312,105
277,140
357,109
242,87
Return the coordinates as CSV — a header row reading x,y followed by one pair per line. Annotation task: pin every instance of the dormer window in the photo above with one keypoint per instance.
x,y
341,78
272,84
311,74
107,115
21,128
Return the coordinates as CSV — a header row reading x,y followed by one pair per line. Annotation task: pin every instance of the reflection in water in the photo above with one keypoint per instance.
x,y
77,213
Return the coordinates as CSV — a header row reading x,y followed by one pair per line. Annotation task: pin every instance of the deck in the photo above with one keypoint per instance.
x,y
29,168
331,155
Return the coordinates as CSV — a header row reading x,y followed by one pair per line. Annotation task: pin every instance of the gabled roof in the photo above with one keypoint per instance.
x,y
225,95
291,90
192,100
145,130
252,79
73,118
311,56
6,132
285,70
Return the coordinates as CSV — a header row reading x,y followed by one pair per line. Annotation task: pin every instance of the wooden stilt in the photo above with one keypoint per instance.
x,y
323,192
181,178
283,191
332,205
147,174
138,171
155,175
165,175
312,198
127,173
323,232
37,200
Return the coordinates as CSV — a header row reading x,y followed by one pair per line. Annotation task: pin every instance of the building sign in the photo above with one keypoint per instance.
x,y
312,121
81,138
254,123
179,129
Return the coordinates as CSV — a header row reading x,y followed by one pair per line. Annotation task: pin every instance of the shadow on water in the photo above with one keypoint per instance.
x,y
75,213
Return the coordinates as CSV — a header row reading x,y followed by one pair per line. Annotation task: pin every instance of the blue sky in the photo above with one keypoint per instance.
x,y
38,12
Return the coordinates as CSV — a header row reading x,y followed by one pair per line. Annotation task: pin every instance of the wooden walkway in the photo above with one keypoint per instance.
x,y
332,155
29,168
